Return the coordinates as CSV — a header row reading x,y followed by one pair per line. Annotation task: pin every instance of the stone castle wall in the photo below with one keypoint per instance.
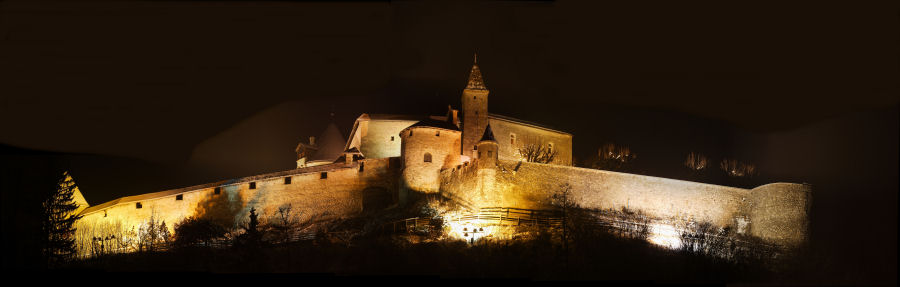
x,y
775,212
345,190
530,135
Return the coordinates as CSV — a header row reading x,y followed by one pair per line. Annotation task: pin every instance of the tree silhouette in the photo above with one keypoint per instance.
x,y
59,223
537,153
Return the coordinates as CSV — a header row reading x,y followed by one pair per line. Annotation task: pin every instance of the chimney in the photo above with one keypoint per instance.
x,y
312,141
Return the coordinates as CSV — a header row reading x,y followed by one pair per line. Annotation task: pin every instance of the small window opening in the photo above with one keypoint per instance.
x,y
323,175
179,197
361,166
138,205
253,185
474,97
475,147
427,157
512,139
392,138
437,134
287,180
218,190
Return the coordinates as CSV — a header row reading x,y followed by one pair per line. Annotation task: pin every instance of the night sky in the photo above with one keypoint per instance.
x,y
141,96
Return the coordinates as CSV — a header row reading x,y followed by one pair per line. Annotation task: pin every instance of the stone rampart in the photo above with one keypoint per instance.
x,y
775,212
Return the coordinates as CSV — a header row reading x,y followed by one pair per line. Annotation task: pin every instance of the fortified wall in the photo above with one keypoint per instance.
x,y
774,212
319,192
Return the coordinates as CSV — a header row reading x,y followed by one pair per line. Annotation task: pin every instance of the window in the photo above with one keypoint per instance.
x,y
475,147
218,190
361,166
138,205
474,97
410,132
512,139
550,147
392,138
323,175
253,185
490,153
427,157
437,134
179,197
287,180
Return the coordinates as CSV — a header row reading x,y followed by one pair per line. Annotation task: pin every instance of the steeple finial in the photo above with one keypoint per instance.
x,y
476,82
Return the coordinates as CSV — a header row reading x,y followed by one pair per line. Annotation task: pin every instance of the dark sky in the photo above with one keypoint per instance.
x,y
140,96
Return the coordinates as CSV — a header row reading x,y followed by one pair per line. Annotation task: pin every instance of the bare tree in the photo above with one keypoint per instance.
x,y
696,162
612,157
537,153
735,168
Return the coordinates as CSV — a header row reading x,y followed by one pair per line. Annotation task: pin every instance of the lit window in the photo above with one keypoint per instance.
x,y
323,175
427,157
253,185
179,197
287,180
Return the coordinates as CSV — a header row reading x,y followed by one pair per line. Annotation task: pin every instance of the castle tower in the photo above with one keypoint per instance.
x,y
427,147
474,111
487,149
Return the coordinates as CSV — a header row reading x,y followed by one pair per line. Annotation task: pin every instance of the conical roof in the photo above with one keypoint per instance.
x,y
488,134
476,82
330,144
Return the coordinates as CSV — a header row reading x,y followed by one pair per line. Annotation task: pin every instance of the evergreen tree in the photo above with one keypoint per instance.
x,y
59,223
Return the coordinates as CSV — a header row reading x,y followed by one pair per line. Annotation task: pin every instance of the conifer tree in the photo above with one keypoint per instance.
x,y
59,223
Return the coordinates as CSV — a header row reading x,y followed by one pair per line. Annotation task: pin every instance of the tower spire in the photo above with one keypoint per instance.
x,y
476,82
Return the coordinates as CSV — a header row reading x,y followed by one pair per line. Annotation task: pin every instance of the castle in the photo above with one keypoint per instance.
x,y
468,155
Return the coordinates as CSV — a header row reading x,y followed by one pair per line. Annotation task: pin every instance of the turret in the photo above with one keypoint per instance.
x,y
474,110
487,149
427,147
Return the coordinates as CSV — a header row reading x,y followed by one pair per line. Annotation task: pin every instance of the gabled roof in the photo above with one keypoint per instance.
x,y
432,123
523,122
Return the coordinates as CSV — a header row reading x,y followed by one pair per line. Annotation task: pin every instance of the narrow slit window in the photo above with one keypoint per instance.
x,y
253,185
323,175
287,180
179,197
138,205
361,166
218,190
512,139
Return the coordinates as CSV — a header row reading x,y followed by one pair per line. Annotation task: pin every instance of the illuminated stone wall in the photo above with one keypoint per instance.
x,y
776,212
525,134
443,146
373,137
343,192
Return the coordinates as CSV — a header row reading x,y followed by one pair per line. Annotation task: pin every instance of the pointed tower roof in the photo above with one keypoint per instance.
x,y
476,82
488,134
330,144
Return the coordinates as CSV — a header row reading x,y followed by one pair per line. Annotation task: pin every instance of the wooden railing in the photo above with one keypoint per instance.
x,y
488,216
